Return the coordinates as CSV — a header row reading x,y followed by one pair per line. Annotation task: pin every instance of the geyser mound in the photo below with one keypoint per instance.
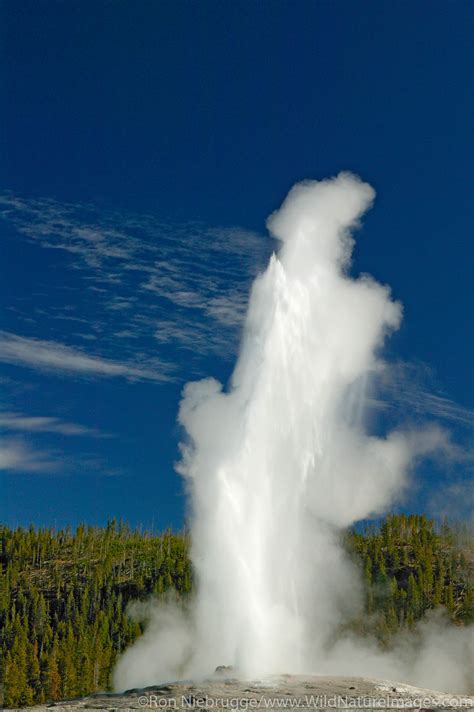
x,y
280,462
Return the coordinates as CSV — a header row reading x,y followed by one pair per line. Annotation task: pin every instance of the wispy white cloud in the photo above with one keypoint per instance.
x,y
54,356
412,388
143,276
45,424
22,457
17,456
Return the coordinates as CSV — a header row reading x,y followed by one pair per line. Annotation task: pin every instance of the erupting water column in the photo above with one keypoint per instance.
x,y
281,460
277,465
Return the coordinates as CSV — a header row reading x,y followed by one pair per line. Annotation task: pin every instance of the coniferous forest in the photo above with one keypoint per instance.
x,y
64,595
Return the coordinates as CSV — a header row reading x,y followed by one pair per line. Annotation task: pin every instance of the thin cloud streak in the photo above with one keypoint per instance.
x,y
411,387
46,424
17,456
54,356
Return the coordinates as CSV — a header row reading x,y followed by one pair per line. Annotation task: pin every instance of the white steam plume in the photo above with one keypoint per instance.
x,y
281,462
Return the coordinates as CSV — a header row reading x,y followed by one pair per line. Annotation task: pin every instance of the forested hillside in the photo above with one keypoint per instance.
x,y
63,595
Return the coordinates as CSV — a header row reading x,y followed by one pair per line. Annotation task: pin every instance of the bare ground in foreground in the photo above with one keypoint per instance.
x,y
282,692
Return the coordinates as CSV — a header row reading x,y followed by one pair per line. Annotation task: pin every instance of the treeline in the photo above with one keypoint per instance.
x,y
411,566
63,595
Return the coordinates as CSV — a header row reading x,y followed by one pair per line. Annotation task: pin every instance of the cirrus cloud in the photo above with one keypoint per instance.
x,y
53,356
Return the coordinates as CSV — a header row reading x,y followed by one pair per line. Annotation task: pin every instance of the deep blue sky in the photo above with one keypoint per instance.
x,y
142,146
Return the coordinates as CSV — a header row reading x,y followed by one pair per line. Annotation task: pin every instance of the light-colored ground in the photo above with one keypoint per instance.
x,y
223,692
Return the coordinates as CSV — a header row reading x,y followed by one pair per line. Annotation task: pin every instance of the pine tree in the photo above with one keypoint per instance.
x,y
52,678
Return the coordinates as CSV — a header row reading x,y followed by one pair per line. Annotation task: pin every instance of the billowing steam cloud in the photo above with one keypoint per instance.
x,y
277,465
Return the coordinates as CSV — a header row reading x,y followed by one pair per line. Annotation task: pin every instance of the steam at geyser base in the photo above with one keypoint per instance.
x,y
281,463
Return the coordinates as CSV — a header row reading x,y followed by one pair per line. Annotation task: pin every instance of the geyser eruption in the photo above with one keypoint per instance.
x,y
280,463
